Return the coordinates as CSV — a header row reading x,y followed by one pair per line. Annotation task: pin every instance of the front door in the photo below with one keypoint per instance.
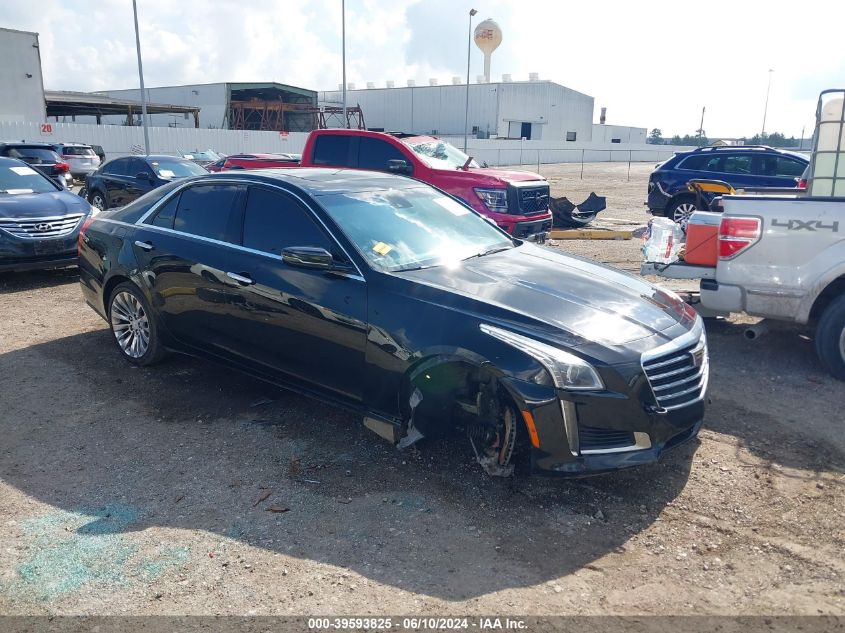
x,y
309,326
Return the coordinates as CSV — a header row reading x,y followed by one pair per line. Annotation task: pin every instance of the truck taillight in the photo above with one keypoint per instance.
x,y
737,234
81,237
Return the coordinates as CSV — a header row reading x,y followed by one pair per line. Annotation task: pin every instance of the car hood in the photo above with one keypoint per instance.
x,y
41,205
595,303
507,175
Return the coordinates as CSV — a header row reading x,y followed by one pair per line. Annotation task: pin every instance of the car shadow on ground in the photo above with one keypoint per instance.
x,y
190,445
36,279
790,415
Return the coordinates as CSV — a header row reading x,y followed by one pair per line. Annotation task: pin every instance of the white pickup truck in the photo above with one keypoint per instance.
x,y
783,256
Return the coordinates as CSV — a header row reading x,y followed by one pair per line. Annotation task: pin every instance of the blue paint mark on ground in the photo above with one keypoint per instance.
x,y
70,551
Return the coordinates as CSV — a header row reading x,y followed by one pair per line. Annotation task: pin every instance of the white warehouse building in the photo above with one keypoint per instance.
x,y
520,109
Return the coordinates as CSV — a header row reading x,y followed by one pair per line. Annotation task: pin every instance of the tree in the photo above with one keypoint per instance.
x,y
656,137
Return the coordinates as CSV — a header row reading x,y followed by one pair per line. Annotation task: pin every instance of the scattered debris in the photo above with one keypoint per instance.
x,y
261,402
262,497
277,508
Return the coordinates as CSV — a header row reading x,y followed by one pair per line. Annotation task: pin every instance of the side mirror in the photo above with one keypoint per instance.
x,y
308,257
145,175
399,166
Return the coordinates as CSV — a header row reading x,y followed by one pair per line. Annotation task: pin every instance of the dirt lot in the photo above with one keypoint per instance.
x,y
189,489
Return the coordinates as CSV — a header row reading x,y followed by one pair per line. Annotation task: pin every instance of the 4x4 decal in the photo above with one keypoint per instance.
x,y
809,225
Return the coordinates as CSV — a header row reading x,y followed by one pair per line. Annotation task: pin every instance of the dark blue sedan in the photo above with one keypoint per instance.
x,y
39,220
122,180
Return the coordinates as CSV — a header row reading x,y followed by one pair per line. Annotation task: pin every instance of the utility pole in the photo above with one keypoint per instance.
x,y
766,107
472,12
343,40
701,128
144,117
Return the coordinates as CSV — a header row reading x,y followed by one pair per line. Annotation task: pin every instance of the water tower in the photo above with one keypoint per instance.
x,y
487,37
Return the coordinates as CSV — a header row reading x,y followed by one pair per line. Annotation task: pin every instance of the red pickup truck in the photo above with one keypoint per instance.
x,y
517,201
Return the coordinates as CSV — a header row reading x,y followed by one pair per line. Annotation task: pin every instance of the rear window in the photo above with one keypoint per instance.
x,y
35,155
133,211
78,151
206,211
332,150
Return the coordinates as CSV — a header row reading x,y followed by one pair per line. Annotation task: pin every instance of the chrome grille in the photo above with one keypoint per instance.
x,y
41,227
678,377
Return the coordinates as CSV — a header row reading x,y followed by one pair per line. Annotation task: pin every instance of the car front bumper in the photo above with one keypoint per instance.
x,y
18,254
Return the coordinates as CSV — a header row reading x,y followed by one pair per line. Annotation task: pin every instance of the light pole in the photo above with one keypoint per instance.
x,y
701,127
144,121
343,41
472,12
766,108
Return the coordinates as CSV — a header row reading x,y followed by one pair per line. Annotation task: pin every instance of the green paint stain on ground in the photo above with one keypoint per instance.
x,y
72,550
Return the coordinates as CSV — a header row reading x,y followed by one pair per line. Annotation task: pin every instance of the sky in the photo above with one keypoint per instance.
x,y
653,63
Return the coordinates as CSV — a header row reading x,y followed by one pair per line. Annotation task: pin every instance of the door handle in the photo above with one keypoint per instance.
x,y
241,279
143,245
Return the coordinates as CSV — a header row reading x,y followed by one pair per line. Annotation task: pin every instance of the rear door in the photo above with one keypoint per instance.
x,y
334,150
189,245
779,170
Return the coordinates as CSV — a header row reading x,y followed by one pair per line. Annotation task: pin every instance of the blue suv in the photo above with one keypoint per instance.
x,y
741,166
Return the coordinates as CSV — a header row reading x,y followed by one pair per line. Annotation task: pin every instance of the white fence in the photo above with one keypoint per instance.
x,y
119,140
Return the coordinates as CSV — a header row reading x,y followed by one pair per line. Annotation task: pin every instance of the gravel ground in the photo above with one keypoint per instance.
x,y
189,489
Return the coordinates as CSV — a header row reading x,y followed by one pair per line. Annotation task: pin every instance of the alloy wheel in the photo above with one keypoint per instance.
x,y
130,324
98,202
683,212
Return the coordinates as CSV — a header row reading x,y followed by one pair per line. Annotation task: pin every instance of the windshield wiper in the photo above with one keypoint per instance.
x,y
490,251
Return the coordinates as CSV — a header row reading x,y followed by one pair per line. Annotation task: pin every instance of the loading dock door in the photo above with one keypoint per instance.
x,y
519,129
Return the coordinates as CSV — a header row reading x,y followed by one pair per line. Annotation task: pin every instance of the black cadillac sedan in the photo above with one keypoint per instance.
x,y
387,296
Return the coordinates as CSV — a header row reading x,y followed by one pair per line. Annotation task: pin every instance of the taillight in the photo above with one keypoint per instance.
x,y
62,167
802,183
737,234
82,230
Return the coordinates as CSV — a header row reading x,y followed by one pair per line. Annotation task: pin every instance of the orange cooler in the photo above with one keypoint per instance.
x,y
702,247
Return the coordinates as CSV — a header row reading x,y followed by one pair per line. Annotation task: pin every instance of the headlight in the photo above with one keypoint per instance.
x,y
567,370
494,199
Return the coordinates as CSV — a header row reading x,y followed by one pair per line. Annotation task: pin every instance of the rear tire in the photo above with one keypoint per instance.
x,y
134,327
830,338
681,209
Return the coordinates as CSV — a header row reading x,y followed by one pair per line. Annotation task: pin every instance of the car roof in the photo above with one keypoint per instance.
x,y
321,181
73,144
27,144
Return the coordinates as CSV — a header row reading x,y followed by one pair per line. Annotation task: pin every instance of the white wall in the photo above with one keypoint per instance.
x,y
118,140
21,97
626,134
552,109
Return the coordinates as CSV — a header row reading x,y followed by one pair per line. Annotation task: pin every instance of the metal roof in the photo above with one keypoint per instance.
x,y
67,103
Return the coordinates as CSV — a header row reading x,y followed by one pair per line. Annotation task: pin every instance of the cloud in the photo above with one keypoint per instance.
x,y
651,64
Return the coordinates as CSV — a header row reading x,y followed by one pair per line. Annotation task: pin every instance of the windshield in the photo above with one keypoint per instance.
x,y
403,229
206,155
22,179
440,154
175,168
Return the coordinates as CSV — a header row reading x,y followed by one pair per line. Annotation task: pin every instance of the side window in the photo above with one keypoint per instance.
x,y
699,162
789,167
136,166
166,213
116,167
273,221
737,164
207,211
330,149
373,153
